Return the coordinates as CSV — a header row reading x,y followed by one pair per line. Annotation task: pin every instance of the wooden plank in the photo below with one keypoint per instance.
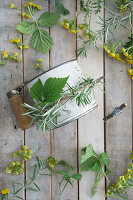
x,y
64,139
38,141
11,137
118,129
91,127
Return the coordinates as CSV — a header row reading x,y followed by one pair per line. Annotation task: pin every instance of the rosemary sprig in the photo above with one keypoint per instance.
x,y
45,115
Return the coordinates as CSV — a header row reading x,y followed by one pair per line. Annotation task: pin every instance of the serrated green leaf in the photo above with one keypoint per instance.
x,y
41,41
60,8
96,167
104,157
88,164
36,90
64,163
26,27
53,88
89,153
77,176
34,172
48,19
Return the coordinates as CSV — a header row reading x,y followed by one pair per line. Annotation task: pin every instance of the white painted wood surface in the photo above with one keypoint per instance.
x,y
65,142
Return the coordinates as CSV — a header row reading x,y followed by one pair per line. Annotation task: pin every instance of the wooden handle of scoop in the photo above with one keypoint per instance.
x,y
23,120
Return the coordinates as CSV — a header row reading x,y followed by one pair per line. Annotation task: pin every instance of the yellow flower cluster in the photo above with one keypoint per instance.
x,y
70,26
127,55
52,162
15,167
125,181
33,5
112,52
18,43
123,6
24,153
26,15
5,191
14,57
39,64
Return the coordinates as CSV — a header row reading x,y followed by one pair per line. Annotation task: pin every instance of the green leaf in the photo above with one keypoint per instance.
x,y
19,197
13,187
96,167
89,153
41,41
77,176
38,161
36,186
32,189
104,157
53,88
34,172
36,90
26,27
60,8
88,164
48,19
63,173
64,163
68,180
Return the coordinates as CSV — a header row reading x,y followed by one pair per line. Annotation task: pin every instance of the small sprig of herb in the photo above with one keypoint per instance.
x,y
49,99
40,39
64,177
60,8
90,160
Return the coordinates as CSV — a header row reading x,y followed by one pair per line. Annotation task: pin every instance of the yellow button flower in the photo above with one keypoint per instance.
x,y
8,170
4,52
5,55
83,27
130,73
17,41
24,147
20,47
37,66
12,41
40,60
5,191
26,15
12,6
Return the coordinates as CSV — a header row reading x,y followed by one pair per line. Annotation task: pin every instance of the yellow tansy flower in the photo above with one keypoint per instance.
x,y
26,15
4,52
20,47
130,73
5,191
82,26
17,41
40,60
25,47
12,41
5,55
24,147
37,66
12,6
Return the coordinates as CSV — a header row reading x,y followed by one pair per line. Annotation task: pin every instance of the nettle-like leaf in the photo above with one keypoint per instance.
x,y
36,90
26,27
41,41
77,176
53,88
60,8
89,153
88,164
105,159
48,19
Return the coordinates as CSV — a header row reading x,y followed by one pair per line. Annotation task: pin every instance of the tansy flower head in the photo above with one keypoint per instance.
x,y
12,40
24,147
17,41
83,27
12,6
5,55
26,15
130,73
37,66
52,162
40,60
5,191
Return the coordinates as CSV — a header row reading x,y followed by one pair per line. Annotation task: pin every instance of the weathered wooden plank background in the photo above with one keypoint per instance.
x,y
115,136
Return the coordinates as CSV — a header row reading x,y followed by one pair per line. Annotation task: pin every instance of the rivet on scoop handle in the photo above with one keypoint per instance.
x,y
19,110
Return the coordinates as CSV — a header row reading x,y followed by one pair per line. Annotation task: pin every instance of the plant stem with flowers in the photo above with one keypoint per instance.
x,y
118,190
